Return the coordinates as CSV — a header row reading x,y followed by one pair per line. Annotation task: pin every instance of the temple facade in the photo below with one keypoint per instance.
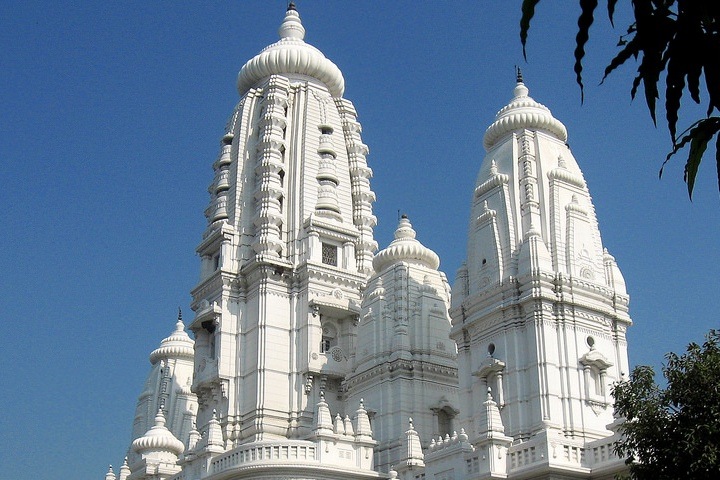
x,y
316,356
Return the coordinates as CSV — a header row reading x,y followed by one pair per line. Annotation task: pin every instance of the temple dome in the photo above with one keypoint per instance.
x,y
177,345
405,248
523,112
158,438
291,55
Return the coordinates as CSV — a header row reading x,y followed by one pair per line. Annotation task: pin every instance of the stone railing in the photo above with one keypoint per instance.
x,y
288,451
596,455
602,454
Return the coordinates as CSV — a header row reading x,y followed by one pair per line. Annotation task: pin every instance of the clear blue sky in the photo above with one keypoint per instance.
x,y
112,114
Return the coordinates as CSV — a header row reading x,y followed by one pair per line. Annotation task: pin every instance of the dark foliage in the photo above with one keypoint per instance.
x,y
673,432
679,39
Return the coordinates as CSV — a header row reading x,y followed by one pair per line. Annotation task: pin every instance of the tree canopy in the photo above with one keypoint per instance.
x,y
673,432
679,39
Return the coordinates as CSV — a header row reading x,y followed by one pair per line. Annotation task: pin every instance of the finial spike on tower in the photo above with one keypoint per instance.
x,y
291,6
518,74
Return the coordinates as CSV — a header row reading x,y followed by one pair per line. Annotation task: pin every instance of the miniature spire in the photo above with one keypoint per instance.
x,y
518,74
338,426
193,438
493,167
124,470
214,436
362,423
490,421
415,455
347,423
323,419
110,475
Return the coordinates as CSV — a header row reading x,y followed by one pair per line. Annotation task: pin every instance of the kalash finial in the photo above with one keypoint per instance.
x,y
520,89
291,26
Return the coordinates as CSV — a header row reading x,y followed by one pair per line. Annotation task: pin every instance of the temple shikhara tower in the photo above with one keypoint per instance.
x,y
317,355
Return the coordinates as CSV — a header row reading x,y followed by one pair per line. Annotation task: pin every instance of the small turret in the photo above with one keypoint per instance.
x,y
215,442
414,457
110,475
124,470
362,423
159,442
323,417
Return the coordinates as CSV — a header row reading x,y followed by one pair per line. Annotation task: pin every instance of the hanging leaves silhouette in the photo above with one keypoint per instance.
x,y
677,38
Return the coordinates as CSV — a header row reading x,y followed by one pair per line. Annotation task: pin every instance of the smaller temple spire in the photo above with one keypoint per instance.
x,y
413,449
323,418
347,423
362,423
124,470
215,440
110,475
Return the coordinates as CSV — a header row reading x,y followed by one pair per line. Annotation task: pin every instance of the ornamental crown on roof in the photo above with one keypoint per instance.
x,y
291,55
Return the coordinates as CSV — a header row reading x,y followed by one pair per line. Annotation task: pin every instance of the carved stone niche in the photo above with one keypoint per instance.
x,y
595,366
444,415
491,374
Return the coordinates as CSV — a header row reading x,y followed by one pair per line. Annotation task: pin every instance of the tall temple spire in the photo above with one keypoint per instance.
x,y
534,249
287,249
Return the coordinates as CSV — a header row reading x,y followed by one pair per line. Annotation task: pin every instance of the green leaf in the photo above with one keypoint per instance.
x,y
685,138
701,134
630,50
674,85
698,136
585,20
528,12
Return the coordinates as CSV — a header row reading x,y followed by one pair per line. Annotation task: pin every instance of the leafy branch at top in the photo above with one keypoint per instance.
x,y
677,38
